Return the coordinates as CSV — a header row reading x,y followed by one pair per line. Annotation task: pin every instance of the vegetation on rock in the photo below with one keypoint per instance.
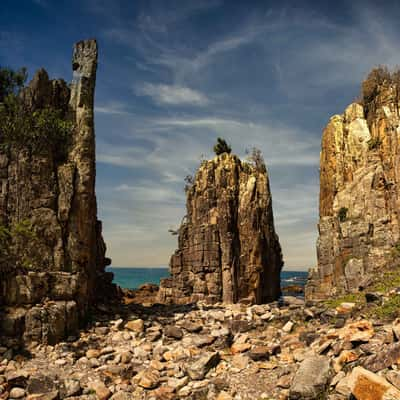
x,y
374,143
222,147
41,131
380,75
17,246
256,159
11,82
342,214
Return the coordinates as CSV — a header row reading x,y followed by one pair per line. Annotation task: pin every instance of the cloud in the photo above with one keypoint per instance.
x,y
112,108
173,94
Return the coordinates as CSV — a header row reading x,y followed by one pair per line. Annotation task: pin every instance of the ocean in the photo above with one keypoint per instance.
x,y
132,278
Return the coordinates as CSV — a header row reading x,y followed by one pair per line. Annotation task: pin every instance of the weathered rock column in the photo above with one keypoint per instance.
x,y
359,194
47,301
227,246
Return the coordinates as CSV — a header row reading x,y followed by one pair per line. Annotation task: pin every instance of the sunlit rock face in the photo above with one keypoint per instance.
x,y
359,194
47,301
228,249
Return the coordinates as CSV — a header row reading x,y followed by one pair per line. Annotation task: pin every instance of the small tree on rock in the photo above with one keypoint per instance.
x,y
222,147
255,157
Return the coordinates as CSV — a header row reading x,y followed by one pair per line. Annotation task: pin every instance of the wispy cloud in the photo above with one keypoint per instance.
x,y
173,94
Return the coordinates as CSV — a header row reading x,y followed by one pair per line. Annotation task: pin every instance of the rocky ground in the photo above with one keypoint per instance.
x,y
285,350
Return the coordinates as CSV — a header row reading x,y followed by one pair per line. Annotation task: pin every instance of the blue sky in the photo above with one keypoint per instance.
x,y
174,75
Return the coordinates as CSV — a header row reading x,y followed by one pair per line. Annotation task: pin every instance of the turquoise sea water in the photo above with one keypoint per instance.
x,y
132,278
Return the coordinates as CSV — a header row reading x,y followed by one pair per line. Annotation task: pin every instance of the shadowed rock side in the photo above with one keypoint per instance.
x,y
45,302
359,194
228,249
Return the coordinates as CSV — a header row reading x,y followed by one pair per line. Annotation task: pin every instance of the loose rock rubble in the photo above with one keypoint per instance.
x,y
211,352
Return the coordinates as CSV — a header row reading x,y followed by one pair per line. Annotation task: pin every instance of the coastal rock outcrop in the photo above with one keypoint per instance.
x,y
228,249
53,199
359,191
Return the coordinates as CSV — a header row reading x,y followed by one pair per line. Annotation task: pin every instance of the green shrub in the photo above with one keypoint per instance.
x,y
374,143
41,131
221,147
11,81
19,246
342,214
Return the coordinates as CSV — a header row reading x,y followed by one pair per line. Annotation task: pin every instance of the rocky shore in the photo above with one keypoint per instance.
x,y
282,350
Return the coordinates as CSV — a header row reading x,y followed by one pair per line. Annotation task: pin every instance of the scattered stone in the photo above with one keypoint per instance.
x,y
224,396
288,327
240,361
136,325
173,332
311,379
365,385
148,379
39,384
201,365
101,390
259,353
17,393
240,347
72,387
386,357
360,331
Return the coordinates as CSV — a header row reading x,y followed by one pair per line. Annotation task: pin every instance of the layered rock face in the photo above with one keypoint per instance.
x,y
359,194
228,249
46,301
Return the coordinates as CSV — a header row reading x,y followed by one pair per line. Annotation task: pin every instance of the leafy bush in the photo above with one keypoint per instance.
x,y
342,214
375,78
374,143
221,147
18,246
11,81
256,158
41,131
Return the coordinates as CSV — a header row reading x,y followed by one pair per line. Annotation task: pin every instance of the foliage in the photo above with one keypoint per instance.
x,y
18,246
342,214
390,309
374,143
41,131
221,147
348,298
378,76
256,158
11,81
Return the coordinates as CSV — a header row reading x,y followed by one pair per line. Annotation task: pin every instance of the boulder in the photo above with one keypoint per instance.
x,y
366,385
198,368
312,379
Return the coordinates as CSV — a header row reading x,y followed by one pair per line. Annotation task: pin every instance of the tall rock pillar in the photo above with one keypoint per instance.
x,y
359,192
47,299
227,246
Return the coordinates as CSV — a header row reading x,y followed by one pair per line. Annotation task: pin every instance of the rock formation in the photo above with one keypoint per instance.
x,y
46,302
359,191
228,249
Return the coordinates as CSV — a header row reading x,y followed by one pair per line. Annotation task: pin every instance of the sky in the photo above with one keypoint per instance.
x,y
175,74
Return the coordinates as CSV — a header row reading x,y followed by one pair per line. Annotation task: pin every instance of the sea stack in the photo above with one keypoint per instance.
x,y
359,191
44,298
228,250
